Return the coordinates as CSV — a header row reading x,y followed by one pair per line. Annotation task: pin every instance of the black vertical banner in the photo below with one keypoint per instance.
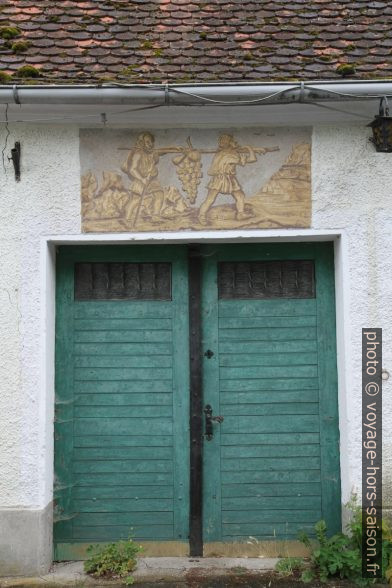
x,y
371,453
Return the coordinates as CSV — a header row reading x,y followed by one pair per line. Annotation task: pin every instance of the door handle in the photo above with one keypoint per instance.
x,y
209,430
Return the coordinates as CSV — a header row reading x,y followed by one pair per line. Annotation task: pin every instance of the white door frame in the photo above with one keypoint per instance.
x,y
49,245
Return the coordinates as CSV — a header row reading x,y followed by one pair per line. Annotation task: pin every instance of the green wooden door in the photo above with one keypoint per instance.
x,y
122,448
272,467
121,430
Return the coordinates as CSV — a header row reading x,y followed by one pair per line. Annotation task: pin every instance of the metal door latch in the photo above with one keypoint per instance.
x,y
209,432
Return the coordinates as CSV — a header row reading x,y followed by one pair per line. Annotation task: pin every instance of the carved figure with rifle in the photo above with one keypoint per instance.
x,y
223,173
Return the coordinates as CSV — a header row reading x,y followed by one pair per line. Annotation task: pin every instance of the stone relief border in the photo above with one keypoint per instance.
x,y
135,197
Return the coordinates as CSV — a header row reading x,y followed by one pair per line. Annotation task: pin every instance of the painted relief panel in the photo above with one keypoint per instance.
x,y
177,179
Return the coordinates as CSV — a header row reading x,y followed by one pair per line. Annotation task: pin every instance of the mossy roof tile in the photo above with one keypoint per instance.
x,y
263,40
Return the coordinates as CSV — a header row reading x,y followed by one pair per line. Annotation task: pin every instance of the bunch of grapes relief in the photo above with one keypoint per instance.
x,y
189,166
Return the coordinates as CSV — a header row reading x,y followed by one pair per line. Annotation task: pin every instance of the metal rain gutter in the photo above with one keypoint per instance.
x,y
195,94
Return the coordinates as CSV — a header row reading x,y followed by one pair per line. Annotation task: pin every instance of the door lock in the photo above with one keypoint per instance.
x,y
208,354
209,433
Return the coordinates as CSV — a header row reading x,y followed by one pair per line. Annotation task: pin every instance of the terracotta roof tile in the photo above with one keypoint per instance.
x,y
189,40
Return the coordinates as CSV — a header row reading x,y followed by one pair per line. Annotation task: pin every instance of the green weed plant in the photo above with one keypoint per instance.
x,y
116,560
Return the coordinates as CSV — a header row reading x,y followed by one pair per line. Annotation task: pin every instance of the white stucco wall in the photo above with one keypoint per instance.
x,y
45,201
351,192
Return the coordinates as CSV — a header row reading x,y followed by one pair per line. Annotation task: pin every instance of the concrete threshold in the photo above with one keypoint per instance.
x,y
150,570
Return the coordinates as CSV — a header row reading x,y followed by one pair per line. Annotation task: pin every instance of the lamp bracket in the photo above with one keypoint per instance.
x,y
15,158
384,106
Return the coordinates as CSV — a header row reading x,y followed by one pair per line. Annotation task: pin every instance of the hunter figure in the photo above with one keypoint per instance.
x,y
224,174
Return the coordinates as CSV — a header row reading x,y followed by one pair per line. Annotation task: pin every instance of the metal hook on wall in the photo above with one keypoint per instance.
x,y
15,157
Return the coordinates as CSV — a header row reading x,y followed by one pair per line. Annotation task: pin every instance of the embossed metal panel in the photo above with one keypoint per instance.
x,y
293,278
122,281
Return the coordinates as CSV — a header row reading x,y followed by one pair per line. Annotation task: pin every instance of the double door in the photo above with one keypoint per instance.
x,y
196,398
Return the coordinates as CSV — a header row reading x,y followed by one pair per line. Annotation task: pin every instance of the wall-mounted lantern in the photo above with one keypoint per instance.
x,y
382,128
